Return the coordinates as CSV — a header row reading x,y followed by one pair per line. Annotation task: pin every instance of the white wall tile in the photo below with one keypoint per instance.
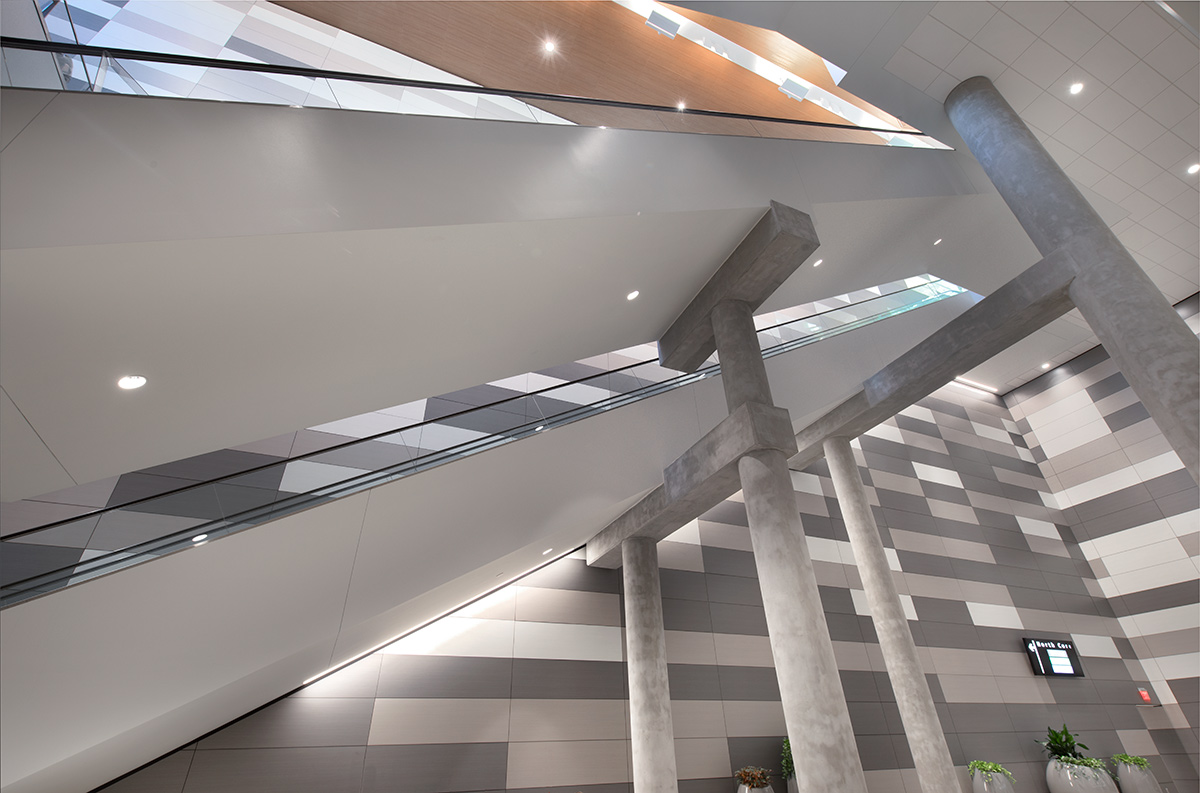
x,y
1097,646
573,642
994,616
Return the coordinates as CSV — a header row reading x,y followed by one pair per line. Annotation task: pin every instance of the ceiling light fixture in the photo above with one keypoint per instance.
x,y
663,24
1076,88
681,105
817,263
548,550
938,241
548,45
1194,168
200,538
540,428
972,383
1046,365
794,89
972,388
131,381
632,295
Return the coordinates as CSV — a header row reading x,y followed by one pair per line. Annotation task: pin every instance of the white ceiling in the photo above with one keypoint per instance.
x,y
1126,139
271,268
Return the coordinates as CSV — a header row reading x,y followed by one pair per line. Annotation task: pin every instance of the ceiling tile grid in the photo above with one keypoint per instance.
x,y
1128,136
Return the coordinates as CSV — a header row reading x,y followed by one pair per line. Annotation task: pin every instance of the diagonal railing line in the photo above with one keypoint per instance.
x,y
407,428
931,290
405,82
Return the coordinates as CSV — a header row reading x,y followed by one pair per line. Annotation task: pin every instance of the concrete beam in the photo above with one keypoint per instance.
x,y
702,477
771,252
1028,302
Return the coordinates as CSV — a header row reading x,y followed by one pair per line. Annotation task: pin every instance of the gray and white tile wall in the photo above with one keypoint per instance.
x,y
990,539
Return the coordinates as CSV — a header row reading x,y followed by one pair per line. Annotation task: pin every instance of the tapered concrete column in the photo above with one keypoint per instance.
x,y
925,737
1152,346
653,737
814,705
742,370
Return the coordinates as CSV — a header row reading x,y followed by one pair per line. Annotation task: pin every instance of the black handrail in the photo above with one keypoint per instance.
x,y
309,71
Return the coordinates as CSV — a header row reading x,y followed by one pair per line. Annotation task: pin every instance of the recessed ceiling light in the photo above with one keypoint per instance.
x,y
548,45
632,295
200,538
817,263
938,241
1046,365
540,428
548,550
131,381
681,106
1076,88
603,127
973,384
1194,168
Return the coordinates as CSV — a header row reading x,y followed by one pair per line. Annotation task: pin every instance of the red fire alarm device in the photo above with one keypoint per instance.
x,y
1145,694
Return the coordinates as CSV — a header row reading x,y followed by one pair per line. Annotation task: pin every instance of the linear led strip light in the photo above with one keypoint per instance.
x,y
671,24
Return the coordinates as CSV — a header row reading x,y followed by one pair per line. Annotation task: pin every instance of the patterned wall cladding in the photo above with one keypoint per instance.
x,y
525,690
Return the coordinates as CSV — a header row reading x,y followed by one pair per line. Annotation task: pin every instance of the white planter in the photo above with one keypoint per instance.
x,y
999,783
1136,780
744,789
792,785
1062,778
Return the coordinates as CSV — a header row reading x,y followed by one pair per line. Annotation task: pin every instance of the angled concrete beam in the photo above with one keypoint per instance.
x,y
1152,346
771,252
1028,302
702,477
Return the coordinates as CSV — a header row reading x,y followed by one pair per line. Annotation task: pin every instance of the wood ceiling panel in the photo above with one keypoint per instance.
x,y
602,50
782,51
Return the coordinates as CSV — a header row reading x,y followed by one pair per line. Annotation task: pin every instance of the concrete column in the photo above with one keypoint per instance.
x,y
1153,347
921,725
742,370
814,705
652,735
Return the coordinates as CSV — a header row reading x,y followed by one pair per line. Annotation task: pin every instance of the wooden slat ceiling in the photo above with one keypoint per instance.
x,y
604,51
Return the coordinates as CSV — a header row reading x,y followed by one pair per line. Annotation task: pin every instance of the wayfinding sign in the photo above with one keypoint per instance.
x,y
1053,657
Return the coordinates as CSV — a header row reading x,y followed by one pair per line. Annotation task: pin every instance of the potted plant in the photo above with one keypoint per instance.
x,y
788,768
1134,774
751,778
989,777
1068,770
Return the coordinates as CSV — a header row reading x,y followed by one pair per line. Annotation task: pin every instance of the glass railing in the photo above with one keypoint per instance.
x,y
109,539
106,69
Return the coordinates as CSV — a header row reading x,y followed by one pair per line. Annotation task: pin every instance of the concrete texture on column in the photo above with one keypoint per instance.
x,y
743,373
1151,344
926,740
814,705
653,737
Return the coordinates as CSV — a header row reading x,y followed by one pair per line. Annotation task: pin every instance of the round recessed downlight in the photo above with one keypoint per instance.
x,y
1076,88
681,106
1194,168
200,538
1046,365
131,381
632,295
540,428
548,45
547,551
817,263
938,241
